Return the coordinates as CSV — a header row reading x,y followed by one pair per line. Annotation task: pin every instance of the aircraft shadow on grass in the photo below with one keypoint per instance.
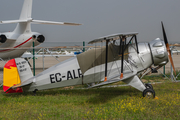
x,y
99,95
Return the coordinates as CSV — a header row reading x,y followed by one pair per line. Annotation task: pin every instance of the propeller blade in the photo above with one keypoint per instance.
x,y
164,33
167,47
170,58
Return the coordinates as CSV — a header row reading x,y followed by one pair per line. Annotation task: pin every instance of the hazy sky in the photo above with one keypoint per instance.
x,y
99,18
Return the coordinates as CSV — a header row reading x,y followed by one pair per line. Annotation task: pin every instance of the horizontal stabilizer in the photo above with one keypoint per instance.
x,y
25,83
17,90
53,23
12,21
38,22
17,87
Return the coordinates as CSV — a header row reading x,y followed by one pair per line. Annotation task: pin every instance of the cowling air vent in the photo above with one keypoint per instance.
x,y
158,44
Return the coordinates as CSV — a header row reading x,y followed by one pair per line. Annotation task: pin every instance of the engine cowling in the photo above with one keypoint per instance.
x,y
40,38
3,38
159,52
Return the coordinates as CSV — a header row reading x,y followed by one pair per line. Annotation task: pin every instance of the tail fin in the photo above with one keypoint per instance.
x,y
24,18
26,10
15,72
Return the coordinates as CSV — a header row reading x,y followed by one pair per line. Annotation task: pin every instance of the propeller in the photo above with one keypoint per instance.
x,y
167,47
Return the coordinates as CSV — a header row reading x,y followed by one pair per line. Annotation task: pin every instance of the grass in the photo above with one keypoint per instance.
x,y
104,103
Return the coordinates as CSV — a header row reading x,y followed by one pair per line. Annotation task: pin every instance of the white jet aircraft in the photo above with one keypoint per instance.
x,y
22,36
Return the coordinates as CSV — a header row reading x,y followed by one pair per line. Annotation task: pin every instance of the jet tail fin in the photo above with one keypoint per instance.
x,y
26,10
25,19
26,13
16,72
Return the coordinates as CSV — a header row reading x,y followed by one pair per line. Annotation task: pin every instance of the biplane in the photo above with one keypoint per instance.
x,y
120,59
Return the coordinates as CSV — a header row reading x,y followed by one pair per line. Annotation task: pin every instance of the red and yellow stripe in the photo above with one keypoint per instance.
x,y
11,77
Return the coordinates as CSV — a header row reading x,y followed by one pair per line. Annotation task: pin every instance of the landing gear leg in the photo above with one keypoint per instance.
x,y
34,92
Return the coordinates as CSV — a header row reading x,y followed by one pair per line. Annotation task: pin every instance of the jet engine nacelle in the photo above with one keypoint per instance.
x,y
159,52
3,38
38,39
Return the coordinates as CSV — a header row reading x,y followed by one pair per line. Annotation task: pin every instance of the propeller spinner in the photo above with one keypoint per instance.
x,y
167,47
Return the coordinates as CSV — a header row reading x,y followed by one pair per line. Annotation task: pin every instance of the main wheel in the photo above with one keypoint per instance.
x,y
148,85
149,93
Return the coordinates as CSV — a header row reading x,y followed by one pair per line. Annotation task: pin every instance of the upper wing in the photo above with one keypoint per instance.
x,y
112,37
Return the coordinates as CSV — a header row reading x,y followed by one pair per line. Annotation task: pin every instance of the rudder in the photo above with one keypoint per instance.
x,y
15,72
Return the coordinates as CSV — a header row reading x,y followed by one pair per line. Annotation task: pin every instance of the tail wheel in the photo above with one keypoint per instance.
x,y
149,93
148,85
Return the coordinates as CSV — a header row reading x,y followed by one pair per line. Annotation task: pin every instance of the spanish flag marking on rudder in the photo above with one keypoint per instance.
x,y
11,77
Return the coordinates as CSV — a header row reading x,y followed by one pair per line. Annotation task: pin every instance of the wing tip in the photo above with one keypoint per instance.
x,y
65,23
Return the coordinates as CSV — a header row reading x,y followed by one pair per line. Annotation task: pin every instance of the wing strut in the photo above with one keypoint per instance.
x,y
136,44
120,45
105,79
126,45
122,58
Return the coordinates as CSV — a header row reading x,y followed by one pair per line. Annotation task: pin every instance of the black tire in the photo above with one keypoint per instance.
x,y
149,93
148,85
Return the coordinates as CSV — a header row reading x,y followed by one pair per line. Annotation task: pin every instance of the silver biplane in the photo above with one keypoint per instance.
x,y
121,59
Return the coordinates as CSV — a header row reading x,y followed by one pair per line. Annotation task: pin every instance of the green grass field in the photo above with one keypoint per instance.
x,y
103,103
